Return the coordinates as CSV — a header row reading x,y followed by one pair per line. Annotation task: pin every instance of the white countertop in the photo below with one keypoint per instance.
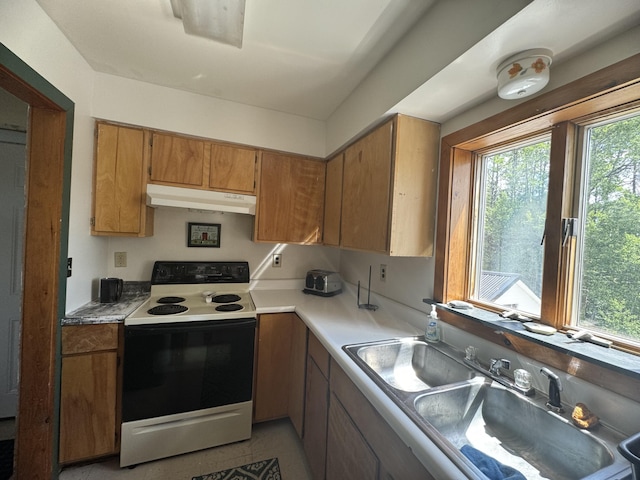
x,y
337,321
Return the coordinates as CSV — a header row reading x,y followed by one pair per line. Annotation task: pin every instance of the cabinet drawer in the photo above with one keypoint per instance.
x,y
319,354
89,338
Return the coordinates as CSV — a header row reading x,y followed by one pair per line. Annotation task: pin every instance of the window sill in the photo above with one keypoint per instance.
x,y
622,362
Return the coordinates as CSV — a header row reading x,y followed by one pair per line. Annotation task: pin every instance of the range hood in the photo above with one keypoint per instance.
x,y
191,198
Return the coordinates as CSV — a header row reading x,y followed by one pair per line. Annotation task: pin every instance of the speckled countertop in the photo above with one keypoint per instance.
x,y
133,295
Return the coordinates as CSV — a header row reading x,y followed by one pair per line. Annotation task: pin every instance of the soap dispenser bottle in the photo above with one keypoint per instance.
x,y
433,330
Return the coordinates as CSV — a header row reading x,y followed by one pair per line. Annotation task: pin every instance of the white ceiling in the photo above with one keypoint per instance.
x,y
305,57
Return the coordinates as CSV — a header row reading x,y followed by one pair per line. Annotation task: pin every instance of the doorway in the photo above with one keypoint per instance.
x,y
49,140
12,199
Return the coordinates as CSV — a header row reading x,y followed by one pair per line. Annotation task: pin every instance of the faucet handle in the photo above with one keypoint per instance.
x,y
498,363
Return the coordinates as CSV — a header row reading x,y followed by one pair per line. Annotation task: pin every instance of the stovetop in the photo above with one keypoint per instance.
x,y
196,291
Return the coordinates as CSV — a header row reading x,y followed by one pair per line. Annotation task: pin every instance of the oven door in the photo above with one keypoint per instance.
x,y
188,366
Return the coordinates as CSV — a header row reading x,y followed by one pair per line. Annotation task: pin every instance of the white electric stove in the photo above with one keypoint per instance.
x,y
188,362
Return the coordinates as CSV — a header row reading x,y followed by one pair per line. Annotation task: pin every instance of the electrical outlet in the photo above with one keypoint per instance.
x,y
69,264
383,272
277,260
120,259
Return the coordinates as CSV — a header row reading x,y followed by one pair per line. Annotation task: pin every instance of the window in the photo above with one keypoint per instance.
x,y
510,217
607,272
492,214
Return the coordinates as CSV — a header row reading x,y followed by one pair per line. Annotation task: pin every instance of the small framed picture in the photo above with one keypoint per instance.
x,y
203,235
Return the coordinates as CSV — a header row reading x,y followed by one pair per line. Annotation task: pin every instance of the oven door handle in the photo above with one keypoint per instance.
x,y
189,326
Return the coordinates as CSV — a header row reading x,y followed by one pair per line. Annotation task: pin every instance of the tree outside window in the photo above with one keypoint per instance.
x,y
510,221
609,252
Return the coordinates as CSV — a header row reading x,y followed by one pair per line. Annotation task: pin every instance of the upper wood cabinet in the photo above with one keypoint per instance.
x,y
119,182
178,160
333,201
290,199
196,163
389,189
365,191
233,169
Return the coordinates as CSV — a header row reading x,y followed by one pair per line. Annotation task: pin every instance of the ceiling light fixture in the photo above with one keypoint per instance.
x,y
524,74
219,20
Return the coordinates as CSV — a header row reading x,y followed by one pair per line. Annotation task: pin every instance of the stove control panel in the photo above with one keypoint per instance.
x,y
171,273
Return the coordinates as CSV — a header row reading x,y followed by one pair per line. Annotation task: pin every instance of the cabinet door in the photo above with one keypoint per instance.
x,y
333,201
315,420
177,160
348,454
232,169
396,460
88,406
290,200
271,397
119,196
297,371
414,192
366,192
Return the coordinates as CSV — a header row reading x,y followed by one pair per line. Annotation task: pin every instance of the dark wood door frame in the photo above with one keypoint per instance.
x,y
45,251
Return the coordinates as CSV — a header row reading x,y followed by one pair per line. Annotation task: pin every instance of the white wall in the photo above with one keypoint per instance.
x,y
404,68
170,243
138,103
31,35
607,53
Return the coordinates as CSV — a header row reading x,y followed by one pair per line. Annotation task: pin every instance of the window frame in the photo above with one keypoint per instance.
x,y
560,111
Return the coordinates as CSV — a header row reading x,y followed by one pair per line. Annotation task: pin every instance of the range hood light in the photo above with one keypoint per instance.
x,y
200,200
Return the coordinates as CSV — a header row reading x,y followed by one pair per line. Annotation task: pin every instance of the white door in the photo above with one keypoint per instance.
x,y
12,200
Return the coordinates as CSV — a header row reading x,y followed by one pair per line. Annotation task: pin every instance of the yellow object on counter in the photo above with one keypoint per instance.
x,y
583,417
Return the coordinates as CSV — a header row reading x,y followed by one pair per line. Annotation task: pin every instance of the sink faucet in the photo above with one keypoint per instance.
x,y
496,364
555,387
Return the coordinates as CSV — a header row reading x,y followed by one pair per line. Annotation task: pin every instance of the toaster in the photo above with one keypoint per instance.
x,y
323,283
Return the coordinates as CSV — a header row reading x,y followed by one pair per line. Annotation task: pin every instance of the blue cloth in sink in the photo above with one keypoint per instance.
x,y
491,467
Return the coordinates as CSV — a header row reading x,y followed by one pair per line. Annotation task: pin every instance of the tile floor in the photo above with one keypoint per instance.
x,y
271,439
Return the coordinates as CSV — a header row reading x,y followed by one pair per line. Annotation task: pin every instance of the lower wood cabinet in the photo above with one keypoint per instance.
x,y
279,373
89,395
395,459
297,373
316,408
344,435
348,453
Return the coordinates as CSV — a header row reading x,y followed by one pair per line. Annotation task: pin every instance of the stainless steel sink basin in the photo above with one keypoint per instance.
x,y
456,405
408,365
514,430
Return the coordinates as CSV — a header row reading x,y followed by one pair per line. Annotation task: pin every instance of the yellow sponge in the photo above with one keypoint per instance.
x,y
582,417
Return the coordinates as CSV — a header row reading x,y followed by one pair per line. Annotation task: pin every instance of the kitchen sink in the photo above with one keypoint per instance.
x,y
408,365
514,430
456,404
